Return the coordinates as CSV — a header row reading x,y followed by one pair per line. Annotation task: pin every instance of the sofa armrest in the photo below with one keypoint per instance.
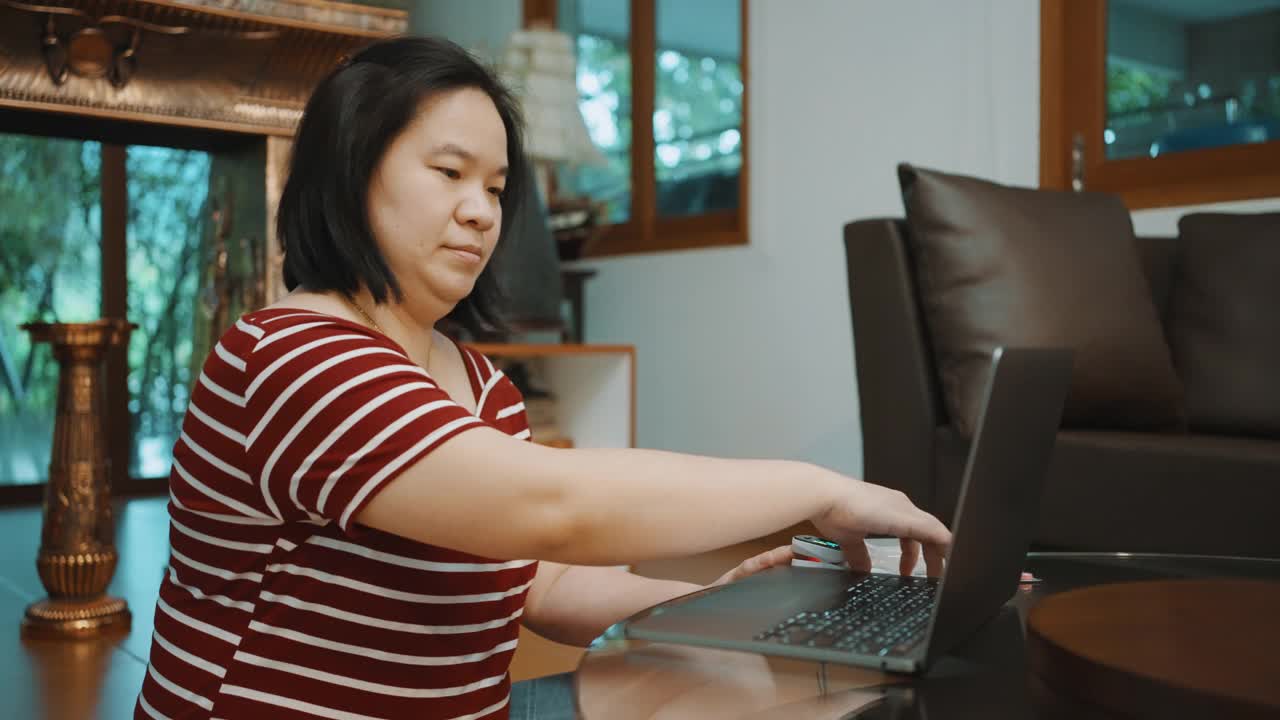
x,y
898,397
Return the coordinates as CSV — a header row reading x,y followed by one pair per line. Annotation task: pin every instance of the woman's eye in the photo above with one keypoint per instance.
x,y
496,191
449,173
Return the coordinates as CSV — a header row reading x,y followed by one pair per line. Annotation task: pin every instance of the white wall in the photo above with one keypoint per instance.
x,y
748,351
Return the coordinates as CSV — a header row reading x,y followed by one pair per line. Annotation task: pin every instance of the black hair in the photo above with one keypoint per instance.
x,y
353,116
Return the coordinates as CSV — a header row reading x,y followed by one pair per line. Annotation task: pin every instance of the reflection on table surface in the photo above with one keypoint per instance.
x,y
986,677
631,679
637,679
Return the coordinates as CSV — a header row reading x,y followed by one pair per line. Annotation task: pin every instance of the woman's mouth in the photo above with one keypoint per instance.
x,y
467,253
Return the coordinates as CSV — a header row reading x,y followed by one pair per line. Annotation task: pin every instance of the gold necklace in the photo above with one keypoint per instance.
x,y
356,306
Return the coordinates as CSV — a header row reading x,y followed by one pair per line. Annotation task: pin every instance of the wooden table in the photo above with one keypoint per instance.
x,y
1163,649
992,675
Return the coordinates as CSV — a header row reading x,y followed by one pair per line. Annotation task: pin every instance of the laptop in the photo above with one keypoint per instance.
x,y
888,622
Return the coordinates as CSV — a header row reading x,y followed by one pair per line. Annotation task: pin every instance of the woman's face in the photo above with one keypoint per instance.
x,y
434,198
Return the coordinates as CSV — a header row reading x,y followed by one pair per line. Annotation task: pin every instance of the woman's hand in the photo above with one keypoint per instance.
x,y
864,509
759,563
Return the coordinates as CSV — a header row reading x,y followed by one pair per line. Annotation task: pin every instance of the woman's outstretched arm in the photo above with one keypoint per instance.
x,y
486,493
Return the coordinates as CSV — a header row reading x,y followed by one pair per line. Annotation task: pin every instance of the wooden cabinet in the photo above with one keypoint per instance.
x,y
594,387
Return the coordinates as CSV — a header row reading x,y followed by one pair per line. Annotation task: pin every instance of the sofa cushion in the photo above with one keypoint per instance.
x,y
1222,324
1145,492
1005,266
1162,493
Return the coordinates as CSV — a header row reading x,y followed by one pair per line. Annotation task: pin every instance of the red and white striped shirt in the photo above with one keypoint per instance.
x,y
276,604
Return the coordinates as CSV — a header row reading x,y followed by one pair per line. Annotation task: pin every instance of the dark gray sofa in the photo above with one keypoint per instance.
x,y
1174,491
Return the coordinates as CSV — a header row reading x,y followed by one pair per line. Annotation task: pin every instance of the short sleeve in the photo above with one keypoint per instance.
x,y
336,413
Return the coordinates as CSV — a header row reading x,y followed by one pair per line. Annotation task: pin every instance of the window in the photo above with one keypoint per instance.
x,y
1166,102
680,181
167,192
604,86
697,127
50,267
87,229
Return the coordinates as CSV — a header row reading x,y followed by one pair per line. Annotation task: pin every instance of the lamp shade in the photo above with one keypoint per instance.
x,y
540,66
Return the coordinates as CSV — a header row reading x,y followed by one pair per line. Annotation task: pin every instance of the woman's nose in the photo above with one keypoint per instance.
x,y
479,209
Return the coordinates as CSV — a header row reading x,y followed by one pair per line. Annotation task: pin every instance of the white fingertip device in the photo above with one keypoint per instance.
x,y
809,548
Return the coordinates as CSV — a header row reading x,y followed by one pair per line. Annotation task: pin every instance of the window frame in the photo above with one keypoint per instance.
x,y
1073,44
645,231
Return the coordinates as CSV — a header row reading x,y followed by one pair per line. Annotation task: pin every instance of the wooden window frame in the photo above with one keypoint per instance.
x,y
1073,45
645,231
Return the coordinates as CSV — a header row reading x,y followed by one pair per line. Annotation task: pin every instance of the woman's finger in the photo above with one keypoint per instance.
x,y
927,529
856,554
757,563
781,555
910,554
934,559
778,556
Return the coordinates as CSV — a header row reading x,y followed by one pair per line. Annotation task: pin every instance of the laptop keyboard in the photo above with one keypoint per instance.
x,y
881,615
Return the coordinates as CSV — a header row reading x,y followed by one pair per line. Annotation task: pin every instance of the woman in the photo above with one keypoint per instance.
x,y
351,486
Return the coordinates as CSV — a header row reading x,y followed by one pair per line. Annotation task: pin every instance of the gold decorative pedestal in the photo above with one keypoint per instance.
x,y
77,547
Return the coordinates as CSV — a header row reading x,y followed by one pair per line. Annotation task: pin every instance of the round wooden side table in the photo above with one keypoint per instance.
x,y
1175,648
